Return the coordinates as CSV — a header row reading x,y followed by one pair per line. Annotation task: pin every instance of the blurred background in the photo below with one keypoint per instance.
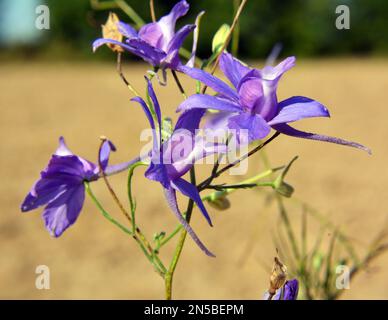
x,y
52,84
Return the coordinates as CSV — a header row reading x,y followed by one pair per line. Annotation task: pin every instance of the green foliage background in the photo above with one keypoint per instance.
x,y
303,27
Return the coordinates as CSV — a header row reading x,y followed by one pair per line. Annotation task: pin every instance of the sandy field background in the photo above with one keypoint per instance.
x,y
39,102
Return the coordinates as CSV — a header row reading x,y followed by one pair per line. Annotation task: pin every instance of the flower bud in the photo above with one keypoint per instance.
x,y
278,276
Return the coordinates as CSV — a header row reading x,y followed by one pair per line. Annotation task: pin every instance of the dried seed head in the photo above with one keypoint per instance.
x,y
111,31
221,203
278,276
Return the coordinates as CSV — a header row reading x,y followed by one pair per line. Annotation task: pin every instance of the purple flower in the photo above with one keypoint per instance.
x,y
157,43
61,186
288,292
171,159
252,102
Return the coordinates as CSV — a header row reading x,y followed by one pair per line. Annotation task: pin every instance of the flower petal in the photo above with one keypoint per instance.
x,y
64,210
63,150
297,108
257,128
137,47
175,44
151,54
205,101
217,120
191,192
153,35
290,131
116,168
232,68
288,292
127,30
172,202
167,23
190,120
158,172
274,73
104,153
209,80
155,102
251,92
150,120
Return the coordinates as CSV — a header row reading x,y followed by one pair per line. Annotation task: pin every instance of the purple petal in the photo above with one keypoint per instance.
x,y
155,101
150,120
127,30
153,35
274,73
175,44
232,68
158,172
297,108
191,191
116,168
167,23
63,150
290,131
205,101
251,92
100,42
211,81
64,210
217,120
104,153
190,120
288,292
67,165
44,191
172,202
151,54
256,126
137,47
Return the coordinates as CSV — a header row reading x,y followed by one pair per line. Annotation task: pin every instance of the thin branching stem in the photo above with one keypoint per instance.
x,y
228,38
138,236
152,10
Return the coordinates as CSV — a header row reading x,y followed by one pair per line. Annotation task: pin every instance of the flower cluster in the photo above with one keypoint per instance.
x,y
248,104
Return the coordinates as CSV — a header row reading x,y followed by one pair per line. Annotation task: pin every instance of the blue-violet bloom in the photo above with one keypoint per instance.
x,y
156,42
61,185
252,103
168,164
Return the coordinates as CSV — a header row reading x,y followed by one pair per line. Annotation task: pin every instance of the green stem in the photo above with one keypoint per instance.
x,y
130,197
236,31
178,250
107,216
130,12
218,194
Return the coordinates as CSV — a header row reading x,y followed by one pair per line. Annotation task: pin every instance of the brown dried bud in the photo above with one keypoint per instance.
x,y
278,276
111,31
221,203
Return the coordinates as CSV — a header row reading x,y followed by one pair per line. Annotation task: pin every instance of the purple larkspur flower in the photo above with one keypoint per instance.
x,y
156,42
61,185
173,158
288,292
252,103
